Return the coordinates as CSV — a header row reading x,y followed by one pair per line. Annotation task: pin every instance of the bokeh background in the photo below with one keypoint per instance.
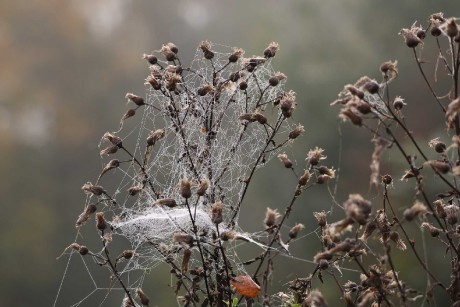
x,y
65,67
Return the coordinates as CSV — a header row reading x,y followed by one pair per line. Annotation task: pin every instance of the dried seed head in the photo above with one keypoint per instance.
x,y
227,235
321,218
323,264
314,156
439,205
115,140
322,256
203,186
315,298
83,250
416,209
183,238
363,107
205,89
206,48
410,36
386,179
389,69
85,215
168,53
237,54
128,114
235,76
109,150
451,214
145,300
295,230
169,202
172,81
216,212
357,208
450,27
246,116
133,191
354,91
173,47
296,132
154,136
139,101
348,114
150,58
288,104
129,253
111,165
323,170
258,117
275,80
93,189
408,174
372,87
434,232
284,159
101,224
398,103
243,85
154,82
271,50
437,145
185,189
394,236
439,166
270,217
304,178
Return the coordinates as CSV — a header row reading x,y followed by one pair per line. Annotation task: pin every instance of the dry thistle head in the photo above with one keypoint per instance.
x,y
314,156
434,232
358,208
285,160
451,214
394,236
115,140
185,188
387,179
450,28
101,224
227,235
205,89
145,300
321,218
180,237
416,209
150,58
168,53
129,253
296,132
348,114
315,298
411,38
154,136
205,46
271,216
236,55
93,189
295,230
169,202
304,178
216,212
398,103
202,187
137,100
389,70
172,47
288,104
439,208
437,145
85,215
439,166
133,191
276,79
271,50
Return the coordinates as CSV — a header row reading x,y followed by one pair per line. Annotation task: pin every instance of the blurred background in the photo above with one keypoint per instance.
x,y
65,67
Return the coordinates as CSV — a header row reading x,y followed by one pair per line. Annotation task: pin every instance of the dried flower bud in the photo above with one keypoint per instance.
x,y
183,238
363,107
386,179
237,54
101,224
227,235
348,114
439,206
150,58
145,300
235,76
154,82
270,217
321,218
435,31
271,50
258,118
139,101
315,298
439,166
243,85
451,28
109,150
323,170
358,208
128,114
246,116
398,103
389,69
296,132
394,236
133,191
284,159
85,215
168,53
216,212
314,156
93,189
204,184
83,250
304,178
410,37
451,214
173,47
322,255
354,91
434,232
169,202
438,146
115,140
205,89
185,188
295,230
128,253
416,209
206,48
408,174
287,104
154,136
275,80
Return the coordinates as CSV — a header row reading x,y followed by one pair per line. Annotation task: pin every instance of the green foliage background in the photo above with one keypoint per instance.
x,y
66,65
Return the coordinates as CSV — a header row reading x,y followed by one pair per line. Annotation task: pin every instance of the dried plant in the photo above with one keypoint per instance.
x,y
204,131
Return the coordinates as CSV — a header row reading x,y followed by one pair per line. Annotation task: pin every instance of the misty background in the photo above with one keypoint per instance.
x,y
65,67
